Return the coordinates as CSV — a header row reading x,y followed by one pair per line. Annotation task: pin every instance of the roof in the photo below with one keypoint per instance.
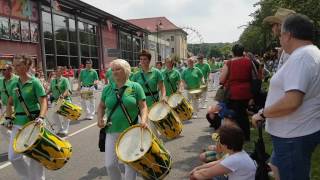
x,y
95,13
151,23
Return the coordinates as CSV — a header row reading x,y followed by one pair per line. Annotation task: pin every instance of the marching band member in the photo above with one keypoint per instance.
x,y
88,79
172,78
34,96
60,88
205,69
150,79
192,78
5,86
133,99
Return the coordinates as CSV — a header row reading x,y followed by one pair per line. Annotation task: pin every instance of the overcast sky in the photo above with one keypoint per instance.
x,y
215,20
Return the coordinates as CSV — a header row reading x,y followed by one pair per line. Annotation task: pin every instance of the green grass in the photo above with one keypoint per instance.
x,y
315,164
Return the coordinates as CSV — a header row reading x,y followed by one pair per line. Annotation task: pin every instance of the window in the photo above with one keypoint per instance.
x,y
4,28
172,38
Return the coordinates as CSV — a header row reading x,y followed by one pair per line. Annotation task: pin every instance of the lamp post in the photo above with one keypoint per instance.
x,y
158,27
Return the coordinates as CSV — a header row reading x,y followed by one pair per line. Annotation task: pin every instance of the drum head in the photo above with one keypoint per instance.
x,y
158,111
21,138
129,144
175,99
196,91
58,104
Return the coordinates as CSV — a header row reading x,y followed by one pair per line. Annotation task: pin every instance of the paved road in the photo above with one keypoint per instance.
x,y
87,163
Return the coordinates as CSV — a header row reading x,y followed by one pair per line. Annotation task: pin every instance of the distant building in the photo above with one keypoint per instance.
x,y
164,29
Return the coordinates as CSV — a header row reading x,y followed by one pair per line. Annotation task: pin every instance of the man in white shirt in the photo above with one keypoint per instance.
x,y
292,107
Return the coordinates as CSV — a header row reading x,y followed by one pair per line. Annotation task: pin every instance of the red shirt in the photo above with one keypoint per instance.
x,y
71,73
65,73
239,80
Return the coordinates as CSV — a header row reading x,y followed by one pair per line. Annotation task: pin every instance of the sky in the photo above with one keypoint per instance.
x,y
215,20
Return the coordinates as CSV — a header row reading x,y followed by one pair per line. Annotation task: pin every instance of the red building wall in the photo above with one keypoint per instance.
x,y
110,41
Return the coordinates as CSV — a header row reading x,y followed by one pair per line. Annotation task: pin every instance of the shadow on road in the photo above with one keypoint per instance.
x,y
94,173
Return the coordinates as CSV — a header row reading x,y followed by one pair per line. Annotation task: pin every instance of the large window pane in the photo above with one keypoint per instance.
x,y
60,21
72,24
48,46
47,31
81,26
72,36
61,33
95,64
84,38
50,62
73,49
62,61
94,51
85,50
93,39
62,48
74,62
46,17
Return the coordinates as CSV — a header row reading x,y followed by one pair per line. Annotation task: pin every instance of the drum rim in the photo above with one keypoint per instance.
x,y
200,90
41,131
170,109
121,136
171,96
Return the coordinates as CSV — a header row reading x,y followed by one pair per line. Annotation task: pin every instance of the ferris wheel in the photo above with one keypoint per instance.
x,y
193,38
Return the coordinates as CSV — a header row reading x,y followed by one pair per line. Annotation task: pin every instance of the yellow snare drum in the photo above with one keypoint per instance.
x,y
40,144
181,106
68,110
153,162
86,94
196,93
165,120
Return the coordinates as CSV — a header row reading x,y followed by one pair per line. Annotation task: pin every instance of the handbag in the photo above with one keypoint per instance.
x,y
223,93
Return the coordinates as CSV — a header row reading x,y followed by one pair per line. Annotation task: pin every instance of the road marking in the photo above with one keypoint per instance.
x,y
72,134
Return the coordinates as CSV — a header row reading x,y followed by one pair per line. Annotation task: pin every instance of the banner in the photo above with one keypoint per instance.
x,y
22,9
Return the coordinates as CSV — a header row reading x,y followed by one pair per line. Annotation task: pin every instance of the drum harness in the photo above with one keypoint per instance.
x,y
168,79
57,87
148,88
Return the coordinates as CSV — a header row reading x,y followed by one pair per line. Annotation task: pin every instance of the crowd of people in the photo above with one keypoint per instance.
x,y
290,108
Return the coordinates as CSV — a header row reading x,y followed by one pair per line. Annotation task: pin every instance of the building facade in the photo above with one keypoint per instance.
x,y
66,33
164,29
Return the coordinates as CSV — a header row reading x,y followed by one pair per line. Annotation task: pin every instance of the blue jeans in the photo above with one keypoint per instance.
x,y
292,156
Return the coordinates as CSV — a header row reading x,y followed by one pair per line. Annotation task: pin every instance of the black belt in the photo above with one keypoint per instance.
x,y
153,93
32,112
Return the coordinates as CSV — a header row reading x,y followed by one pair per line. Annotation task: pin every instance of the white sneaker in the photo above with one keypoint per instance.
x,y
194,116
63,133
90,117
206,100
204,107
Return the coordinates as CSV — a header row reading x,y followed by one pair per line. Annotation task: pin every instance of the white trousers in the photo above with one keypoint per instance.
x,y
204,97
27,168
61,123
195,103
111,160
4,132
88,105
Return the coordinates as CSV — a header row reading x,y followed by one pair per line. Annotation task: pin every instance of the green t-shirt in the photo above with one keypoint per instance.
x,y
153,77
192,77
31,91
88,76
205,69
59,86
132,95
8,84
108,75
174,77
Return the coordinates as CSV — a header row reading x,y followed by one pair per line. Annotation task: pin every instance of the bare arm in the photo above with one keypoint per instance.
x,y
224,73
143,112
100,114
162,88
9,107
43,106
287,104
208,173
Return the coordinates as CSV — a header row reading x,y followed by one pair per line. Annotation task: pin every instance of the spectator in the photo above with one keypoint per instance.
x,y
292,106
236,77
238,165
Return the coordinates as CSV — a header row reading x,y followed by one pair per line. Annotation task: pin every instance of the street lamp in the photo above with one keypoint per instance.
x,y
158,27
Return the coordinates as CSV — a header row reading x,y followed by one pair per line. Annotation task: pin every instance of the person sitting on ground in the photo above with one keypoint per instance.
x,y
237,165
219,112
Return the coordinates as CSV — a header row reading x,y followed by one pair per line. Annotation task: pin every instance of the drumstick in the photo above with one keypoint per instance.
x,y
141,134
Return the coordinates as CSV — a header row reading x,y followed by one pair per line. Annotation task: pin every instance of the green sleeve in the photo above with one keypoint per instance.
x,y
103,94
96,75
209,68
67,84
179,76
160,77
140,95
39,90
200,73
183,74
80,76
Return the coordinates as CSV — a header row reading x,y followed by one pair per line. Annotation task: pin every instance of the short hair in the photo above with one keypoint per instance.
x,y
299,26
124,65
237,50
146,53
231,136
159,62
25,59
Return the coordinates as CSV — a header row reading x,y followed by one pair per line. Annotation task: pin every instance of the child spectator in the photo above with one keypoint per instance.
x,y
237,165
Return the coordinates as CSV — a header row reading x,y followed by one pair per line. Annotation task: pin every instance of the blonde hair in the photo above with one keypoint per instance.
x,y
124,65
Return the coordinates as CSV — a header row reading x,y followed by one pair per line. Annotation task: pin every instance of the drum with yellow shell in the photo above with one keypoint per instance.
x,y
40,144
142,151
181,106
67,109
